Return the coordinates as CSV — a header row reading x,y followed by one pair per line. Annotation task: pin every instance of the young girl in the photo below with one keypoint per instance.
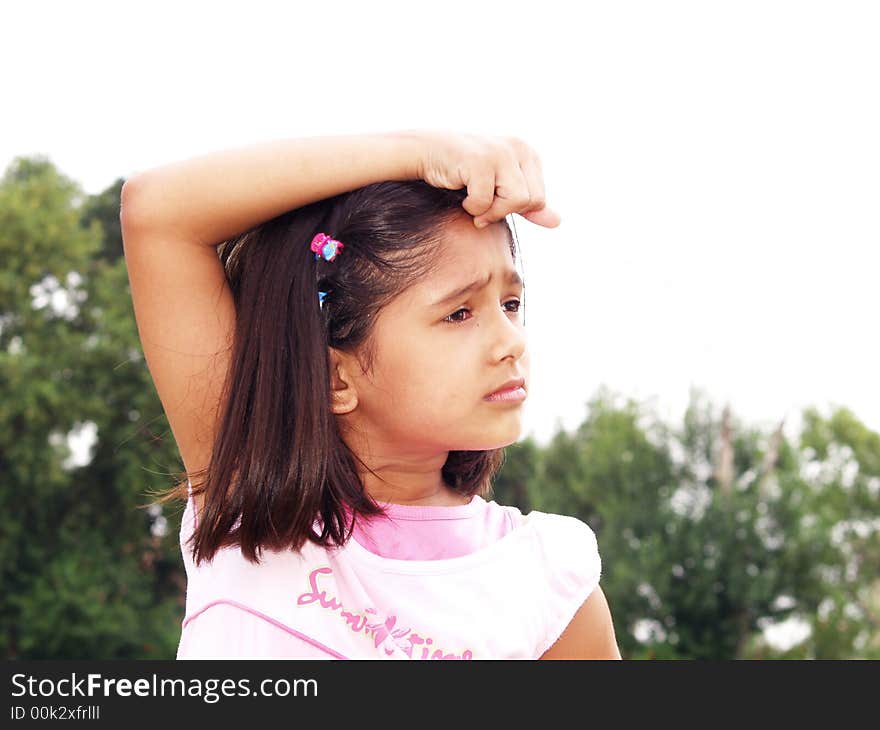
x,y
333,327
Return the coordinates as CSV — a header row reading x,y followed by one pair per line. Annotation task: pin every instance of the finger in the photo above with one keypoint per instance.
x,y
481,190
531,169
538,213
546,217
511,195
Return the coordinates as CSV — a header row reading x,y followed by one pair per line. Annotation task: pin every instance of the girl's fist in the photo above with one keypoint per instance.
x,y
502,175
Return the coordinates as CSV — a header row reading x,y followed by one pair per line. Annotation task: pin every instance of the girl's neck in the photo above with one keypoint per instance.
x,y
443,498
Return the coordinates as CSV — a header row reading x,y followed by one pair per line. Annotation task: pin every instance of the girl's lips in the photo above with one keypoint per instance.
x,y
511,384
514,395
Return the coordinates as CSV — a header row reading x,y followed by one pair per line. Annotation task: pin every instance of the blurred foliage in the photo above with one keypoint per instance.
x,y
710,533
83,575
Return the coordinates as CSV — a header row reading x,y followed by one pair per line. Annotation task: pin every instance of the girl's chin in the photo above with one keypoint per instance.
x,y
507,439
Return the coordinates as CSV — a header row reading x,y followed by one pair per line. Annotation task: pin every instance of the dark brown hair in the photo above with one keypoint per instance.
x,y
280,473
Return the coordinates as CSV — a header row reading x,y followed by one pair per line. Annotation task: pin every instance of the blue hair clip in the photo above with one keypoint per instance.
x,y
329,248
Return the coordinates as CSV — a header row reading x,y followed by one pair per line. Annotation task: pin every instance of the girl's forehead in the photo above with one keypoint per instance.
x,y
466,257
445,291
464,249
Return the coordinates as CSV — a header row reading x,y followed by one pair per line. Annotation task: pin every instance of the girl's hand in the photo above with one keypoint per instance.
x,y
502,175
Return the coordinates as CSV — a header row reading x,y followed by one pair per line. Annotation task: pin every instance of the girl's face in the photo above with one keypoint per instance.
x,y
438,356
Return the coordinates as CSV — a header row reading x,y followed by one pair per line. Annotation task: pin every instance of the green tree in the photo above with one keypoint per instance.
x,y
839,476
710,534
83,574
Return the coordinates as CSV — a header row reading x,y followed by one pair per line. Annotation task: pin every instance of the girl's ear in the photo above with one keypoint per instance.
x,y
343,394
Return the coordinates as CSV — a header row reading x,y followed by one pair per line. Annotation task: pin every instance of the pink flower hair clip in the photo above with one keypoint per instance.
x,y
324,245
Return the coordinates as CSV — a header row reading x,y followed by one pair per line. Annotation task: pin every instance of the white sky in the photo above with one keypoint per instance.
x,y
715,164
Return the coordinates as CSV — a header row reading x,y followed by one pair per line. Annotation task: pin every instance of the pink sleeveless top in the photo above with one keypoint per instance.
x,y
479,580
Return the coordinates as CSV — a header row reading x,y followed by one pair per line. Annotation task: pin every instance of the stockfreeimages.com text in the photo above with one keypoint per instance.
x,y
210,690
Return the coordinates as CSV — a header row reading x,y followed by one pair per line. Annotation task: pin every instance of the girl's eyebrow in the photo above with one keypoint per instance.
x,y
513,277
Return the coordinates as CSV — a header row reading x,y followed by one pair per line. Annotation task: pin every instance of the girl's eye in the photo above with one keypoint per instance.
x,y
452,319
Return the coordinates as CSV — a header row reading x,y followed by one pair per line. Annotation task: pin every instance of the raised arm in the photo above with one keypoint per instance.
x,y
174,216
210,198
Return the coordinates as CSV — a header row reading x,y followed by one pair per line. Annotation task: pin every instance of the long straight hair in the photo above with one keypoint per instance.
x,y
280,472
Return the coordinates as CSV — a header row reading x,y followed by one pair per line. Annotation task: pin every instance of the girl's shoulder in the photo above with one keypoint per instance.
x,y
557,530
563,532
